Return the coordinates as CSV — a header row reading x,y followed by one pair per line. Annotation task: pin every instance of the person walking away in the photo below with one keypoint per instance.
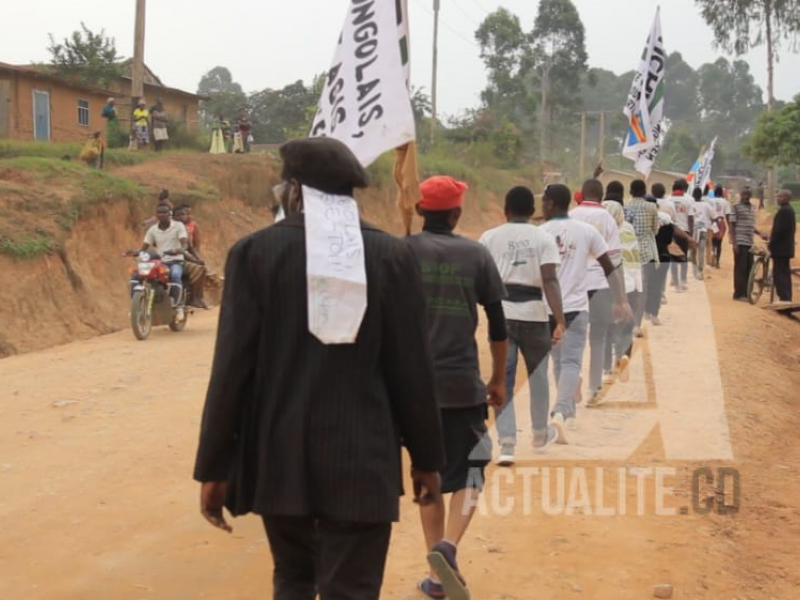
x,y
195,265
171,240
526,258
704,215
781,245
318,458
722,211
667,234
643,215
578,243
457,274
615,191
141,121
665,205
743,228
591,212
684,219
159,121
620,335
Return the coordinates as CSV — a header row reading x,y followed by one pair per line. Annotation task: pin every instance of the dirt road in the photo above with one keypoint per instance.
x,y
96,498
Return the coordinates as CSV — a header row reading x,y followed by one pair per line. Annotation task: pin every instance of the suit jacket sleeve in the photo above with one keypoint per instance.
x,y
782,230
407,362
232,371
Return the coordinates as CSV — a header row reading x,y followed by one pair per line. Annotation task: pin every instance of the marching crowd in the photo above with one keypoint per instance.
x,y
308,435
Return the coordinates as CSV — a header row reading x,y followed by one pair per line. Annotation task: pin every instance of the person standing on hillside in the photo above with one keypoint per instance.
x,y
141,123
781,245
305,434
458,274
684,219
159,121
526,258
743,229
578,244
591,212
245,127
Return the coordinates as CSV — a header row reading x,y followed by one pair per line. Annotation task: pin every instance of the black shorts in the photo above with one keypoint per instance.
x,y
468,448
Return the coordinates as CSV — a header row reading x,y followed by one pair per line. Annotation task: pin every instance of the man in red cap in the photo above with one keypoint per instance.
x,y
457,274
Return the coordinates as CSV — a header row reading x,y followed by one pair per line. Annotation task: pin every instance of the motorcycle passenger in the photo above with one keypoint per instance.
x,y
171,241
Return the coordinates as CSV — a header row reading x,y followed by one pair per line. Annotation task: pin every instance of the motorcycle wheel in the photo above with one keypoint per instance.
x,y
141,322
179,325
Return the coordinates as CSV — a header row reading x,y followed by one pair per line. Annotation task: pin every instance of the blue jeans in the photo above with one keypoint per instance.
x,y
176,276
567,363
532,339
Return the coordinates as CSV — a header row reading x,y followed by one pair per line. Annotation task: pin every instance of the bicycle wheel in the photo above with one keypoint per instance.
x,y
757,280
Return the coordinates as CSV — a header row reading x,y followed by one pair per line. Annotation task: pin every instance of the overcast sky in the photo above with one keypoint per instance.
x,y
269,43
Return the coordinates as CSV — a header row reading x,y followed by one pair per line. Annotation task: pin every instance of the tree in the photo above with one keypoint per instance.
x,y
278,115
729,100
559,56
224,95
776,139
740,25
86,57
504,47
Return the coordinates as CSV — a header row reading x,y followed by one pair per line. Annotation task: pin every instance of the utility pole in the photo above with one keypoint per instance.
x,y
602,135
137,67
435,62
583,147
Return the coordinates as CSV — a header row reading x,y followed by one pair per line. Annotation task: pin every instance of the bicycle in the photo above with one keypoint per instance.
x,y
760,276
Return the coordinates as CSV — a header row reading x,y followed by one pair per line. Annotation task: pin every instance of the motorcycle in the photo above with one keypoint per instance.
x,y
151,303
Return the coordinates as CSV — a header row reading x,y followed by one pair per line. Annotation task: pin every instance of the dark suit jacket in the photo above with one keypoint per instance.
x,y
781,239
300,428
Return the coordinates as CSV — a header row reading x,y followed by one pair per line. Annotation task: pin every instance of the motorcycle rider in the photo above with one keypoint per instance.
x,y
171,240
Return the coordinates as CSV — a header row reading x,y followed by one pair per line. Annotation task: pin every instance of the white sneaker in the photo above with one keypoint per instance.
x,y
571,423
608,377
505,460
557,423
542,439
179,316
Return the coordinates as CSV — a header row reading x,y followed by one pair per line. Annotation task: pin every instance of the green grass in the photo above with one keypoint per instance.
x,y
12,149
796,205
28,246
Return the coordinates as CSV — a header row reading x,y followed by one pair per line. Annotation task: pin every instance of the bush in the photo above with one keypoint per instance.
x,y
183,138
794,188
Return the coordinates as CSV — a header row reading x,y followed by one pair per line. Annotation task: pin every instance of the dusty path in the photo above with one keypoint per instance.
x,y
97,502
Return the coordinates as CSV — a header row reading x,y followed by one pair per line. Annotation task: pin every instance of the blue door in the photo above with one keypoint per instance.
x,y
41,115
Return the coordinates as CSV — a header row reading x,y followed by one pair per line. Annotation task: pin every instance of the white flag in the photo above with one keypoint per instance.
x,y
645,105
704,175
365,102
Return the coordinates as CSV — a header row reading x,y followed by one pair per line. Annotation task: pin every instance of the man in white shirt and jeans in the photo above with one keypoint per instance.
x,y
591,212
527,259
684,218
171,240
578,245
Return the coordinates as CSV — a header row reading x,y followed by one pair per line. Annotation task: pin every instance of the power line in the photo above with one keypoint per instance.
x,y
454,31
479,5
465,13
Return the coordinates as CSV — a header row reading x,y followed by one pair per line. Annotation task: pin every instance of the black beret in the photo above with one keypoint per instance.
x,y
322,163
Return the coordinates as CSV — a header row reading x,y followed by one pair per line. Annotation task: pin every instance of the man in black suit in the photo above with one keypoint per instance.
x,y
781,246
305,434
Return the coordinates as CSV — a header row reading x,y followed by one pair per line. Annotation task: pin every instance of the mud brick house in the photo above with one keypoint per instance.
x,y
36,105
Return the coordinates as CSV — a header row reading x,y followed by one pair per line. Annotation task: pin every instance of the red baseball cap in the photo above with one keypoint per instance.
x,y
442,192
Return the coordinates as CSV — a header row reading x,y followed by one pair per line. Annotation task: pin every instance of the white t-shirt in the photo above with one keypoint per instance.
x,y
579,245
704,215
684,208
167,239
666,205
520,250
722,207
597,216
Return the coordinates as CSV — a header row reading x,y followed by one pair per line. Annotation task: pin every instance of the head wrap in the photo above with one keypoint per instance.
x,y
442,192
322,163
